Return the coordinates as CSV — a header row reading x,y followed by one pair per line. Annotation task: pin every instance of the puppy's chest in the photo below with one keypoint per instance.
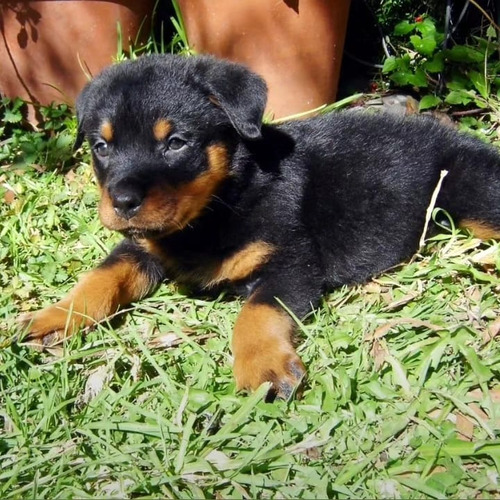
x,y
208,269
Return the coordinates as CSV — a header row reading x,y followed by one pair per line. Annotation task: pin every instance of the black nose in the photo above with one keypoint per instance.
x,y
126,198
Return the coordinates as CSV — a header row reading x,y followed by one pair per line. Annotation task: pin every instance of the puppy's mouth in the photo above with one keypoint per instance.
x,y
137,233
159,216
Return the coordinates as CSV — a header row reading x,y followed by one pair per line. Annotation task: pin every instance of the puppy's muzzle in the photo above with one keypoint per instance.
x,y
127,198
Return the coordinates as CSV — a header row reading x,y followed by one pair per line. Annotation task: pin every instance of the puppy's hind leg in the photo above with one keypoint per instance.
x,y
471,191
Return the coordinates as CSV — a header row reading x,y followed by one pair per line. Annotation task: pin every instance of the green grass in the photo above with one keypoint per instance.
x,y
402,397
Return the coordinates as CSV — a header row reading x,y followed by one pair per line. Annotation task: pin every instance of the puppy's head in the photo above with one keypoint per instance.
x,y
162,130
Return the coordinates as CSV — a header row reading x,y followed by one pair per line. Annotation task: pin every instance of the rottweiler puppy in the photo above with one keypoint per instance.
x,y
204,193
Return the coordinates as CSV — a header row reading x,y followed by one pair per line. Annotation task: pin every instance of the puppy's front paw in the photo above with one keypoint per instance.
x,y
263,351
49,326
284,370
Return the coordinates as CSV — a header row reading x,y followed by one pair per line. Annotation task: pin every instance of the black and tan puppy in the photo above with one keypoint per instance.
x,y
204,193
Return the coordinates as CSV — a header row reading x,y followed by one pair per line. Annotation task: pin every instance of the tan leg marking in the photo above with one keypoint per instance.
x,y
480,229
96,296
243,263
263,351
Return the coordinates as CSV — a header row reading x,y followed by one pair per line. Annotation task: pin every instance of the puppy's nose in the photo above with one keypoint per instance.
x,y
126,199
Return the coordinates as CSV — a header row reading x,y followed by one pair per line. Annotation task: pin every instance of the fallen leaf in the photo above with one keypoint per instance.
x,y
171,339
480,413
9,197
492,331
487,257
379,354
95,384
478,394
401,302
465,427
383,330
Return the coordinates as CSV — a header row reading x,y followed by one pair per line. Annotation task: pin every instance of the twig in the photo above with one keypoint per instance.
x,y
485,14
469,112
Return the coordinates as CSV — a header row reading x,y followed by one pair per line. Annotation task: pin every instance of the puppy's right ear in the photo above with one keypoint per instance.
x,y
81,107
241,93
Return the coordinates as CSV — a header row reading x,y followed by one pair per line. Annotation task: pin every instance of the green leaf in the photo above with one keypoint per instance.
x,y
482,372
390,64
425,46
427,27
436,64
479,82
464,54
429,101
12,116
401,78
404,27
419,79
491,32
458,97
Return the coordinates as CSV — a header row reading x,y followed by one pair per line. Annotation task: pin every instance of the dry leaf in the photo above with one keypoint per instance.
x,y
477,410
96,382
486,257
171,339
135,370
465,427
9,197
383,330
372,287
379,354
401,302
492,331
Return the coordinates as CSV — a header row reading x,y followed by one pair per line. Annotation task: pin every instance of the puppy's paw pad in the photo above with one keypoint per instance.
x,y
284,371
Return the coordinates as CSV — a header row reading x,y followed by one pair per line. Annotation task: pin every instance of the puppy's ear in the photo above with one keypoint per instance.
x,y
240,93
80,137
81,106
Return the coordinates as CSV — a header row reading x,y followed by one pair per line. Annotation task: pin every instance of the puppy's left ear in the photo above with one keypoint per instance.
x,y
241,93
80,137
81,106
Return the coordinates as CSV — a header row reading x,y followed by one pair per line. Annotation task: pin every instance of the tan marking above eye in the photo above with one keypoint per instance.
x,y
107,131
161,129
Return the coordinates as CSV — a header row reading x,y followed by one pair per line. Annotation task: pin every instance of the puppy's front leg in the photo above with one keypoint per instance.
x,y
263,340
127,274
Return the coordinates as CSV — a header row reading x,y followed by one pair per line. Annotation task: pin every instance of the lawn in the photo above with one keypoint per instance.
x,y
401,399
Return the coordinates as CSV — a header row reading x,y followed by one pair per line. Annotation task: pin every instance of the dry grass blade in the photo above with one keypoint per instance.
x,y
430,208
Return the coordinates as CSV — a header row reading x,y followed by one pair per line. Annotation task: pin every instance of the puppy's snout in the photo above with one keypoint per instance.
x,y
127,198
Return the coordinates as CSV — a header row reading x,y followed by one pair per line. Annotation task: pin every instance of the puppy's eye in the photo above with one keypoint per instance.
x,y
175,143
101,149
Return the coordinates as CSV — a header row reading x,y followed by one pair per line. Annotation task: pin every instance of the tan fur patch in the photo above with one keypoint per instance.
x,y
194,196
107,131
96,296
161,129
166,209
480,229
262,347
243,263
